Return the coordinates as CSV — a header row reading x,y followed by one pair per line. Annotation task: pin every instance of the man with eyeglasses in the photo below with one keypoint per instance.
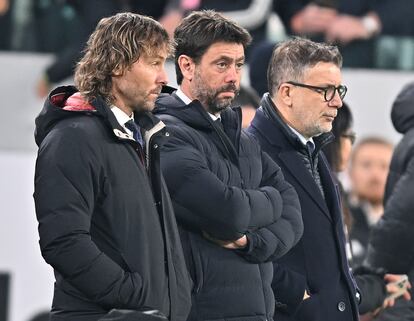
x,y
312,282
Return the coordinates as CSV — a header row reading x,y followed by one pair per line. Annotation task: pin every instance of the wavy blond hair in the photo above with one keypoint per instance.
x,y
117,43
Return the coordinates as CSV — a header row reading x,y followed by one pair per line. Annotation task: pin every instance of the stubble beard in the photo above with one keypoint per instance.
x,y
209,96
148,103
313,129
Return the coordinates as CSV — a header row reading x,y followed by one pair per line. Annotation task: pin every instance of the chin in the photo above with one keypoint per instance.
x,y
224,103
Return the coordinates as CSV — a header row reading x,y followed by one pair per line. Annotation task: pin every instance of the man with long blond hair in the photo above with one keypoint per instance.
x,y
106,223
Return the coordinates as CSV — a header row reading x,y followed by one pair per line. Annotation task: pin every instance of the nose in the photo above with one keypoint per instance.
x,y
162,76
336,101
233,74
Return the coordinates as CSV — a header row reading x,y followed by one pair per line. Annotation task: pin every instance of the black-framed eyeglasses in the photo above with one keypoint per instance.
x,y
351,136
328,91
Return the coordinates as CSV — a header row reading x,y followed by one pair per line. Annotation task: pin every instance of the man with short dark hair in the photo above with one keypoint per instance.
x,y
106,223
312,282
235,211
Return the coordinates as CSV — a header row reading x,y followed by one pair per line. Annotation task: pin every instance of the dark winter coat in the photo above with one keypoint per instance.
x,y
391,242
223,185
106,223
318,263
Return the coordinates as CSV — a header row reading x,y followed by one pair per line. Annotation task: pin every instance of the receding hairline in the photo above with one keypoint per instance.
x,y
370,141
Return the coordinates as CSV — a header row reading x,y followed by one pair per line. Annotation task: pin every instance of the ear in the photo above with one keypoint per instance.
x,y
285,94
187,67
118,71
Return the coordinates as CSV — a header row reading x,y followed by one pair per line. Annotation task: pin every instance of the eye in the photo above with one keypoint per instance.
x,y
222,65
239,65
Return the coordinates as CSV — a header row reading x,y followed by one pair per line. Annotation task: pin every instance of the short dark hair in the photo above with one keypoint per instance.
x,y
291,58
197,32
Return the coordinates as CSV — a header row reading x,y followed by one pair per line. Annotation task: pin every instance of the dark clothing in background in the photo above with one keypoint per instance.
x,y
356,54
88,15
106,222
221,183
254,21
391,243
359,234
372,288
318,263
286,9
258,61
395,16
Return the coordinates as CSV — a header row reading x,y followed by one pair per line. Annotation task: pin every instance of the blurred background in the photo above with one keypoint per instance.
x,y
41,40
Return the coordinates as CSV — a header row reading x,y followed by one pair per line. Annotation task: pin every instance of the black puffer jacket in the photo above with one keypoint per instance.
x,y
106,223
392,239
221,183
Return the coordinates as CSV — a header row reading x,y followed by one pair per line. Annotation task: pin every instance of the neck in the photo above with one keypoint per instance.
x,y
187,90
284,114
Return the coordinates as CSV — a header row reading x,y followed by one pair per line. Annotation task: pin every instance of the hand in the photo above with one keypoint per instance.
x,y
312,19
240,243
392,288
346,28
4,7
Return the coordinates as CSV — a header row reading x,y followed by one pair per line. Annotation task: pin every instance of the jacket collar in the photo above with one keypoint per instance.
x,y
270,111
65,102
195,116
273,129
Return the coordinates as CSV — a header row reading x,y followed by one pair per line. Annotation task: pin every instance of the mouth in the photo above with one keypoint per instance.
x,y
227,93
155,92
329,117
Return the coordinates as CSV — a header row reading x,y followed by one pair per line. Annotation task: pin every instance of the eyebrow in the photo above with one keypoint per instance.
x,y
328,85
227,58
159,57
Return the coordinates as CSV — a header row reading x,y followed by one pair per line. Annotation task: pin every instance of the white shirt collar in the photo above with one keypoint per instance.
x,y
301,137
183,96
122,118
187,101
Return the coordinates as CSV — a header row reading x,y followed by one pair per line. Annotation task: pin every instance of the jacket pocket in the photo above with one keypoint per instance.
x,y
310,306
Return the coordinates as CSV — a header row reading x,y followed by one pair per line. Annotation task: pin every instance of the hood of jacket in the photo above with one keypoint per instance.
x,y
66,101
63,102
402,112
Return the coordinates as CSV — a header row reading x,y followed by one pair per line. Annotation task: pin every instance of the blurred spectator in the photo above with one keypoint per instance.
x,y
5,24
258,62
339,151
351,24
373,284
4,6
249,101
88,14
250,14
395,16
391,243
368,173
